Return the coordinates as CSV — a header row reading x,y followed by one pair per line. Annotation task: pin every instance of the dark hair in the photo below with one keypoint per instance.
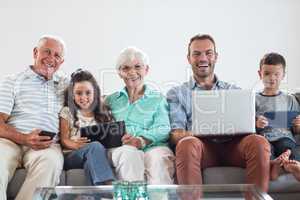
x,y
272,59
101,111
201,37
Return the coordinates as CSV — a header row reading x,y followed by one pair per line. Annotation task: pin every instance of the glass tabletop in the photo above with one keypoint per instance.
x,y
155,192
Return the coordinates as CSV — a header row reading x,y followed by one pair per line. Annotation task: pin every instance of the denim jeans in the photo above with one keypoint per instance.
x,y
281,145
93,159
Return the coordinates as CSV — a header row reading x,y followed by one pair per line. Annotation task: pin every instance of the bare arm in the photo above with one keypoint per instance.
x,y
10,133
178,134
66,141
33,139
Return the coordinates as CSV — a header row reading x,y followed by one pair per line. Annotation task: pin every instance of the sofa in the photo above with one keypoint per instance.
x,y
286,187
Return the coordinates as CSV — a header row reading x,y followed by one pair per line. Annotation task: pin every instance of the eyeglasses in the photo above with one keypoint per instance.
x,y
126,68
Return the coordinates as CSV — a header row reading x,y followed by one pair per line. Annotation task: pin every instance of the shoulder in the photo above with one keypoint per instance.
x,y
11,82
111,98
179,90
155,94
65,113
227,85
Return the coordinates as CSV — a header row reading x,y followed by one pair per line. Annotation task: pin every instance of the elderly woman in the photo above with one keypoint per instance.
x,y
145,152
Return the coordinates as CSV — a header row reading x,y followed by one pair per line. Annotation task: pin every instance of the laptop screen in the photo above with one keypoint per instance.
x,y
223,112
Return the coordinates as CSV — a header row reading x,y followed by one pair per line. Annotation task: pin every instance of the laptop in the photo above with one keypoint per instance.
x,y
109,134
223,112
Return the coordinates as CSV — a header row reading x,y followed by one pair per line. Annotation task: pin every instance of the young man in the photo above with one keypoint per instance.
x,y
194,154
271,99
30,102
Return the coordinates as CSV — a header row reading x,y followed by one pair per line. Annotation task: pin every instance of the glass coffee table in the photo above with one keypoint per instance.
x,y
156,192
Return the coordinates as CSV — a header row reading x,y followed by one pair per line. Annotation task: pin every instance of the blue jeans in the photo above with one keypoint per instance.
x,y
93,159
281,145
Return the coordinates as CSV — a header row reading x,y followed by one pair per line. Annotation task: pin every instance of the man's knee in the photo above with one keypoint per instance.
x,y
51,159
188,144
257,143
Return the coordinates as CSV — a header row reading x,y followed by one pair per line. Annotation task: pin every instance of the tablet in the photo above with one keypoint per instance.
x,y
109,134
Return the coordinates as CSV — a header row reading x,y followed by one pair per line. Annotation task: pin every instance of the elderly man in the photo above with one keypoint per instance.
x,y
194,154
29,103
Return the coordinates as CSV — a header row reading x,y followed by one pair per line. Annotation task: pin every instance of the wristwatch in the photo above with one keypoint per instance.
x,y
143,143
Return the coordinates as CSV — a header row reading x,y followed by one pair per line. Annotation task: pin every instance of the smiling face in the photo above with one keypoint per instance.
x,y
48,56
271,76
83,95
202,58
133,72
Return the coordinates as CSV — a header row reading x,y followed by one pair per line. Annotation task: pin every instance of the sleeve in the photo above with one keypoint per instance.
x,y
159,131
177,113
65,113
7,95
294,104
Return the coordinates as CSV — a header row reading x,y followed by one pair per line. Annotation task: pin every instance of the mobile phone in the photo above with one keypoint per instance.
x,y
47,133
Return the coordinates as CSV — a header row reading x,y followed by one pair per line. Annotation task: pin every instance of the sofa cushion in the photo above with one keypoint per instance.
x,y
76,177
223,175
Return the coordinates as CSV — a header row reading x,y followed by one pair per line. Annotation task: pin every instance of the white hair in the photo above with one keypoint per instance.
x,y
131,53
44,38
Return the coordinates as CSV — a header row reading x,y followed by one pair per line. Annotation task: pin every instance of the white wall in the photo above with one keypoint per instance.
x,y
96,31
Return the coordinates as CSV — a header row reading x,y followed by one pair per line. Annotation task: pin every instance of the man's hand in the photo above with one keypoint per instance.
x,y
36,141
261,122
178,134
131,140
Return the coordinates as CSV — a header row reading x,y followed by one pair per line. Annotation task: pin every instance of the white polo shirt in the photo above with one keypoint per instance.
x,y
31,101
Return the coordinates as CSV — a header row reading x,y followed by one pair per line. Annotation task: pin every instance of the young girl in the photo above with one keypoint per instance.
x,y
83,107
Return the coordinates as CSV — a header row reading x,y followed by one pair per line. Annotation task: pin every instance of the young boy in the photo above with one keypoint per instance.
x,y
271,99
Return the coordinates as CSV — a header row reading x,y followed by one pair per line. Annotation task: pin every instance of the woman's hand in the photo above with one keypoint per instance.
x,y
131,140
261,122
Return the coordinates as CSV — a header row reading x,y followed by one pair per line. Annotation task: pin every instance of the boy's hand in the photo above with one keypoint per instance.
x,y
296,121
261,122
296,125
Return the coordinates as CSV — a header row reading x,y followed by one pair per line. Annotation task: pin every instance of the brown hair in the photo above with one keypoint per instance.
x,y
101,111
201,37
273,59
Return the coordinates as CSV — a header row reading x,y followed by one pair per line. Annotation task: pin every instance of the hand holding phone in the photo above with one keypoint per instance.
x,y
47,133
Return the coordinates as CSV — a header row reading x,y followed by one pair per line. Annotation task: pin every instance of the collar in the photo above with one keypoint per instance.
x,y
29,73
146,92
193,84
275,95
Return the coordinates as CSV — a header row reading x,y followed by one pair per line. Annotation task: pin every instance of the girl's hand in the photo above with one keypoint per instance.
x,y
77,143
261,122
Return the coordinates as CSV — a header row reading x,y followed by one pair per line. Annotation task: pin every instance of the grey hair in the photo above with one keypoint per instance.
x,y
131,53
52,37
